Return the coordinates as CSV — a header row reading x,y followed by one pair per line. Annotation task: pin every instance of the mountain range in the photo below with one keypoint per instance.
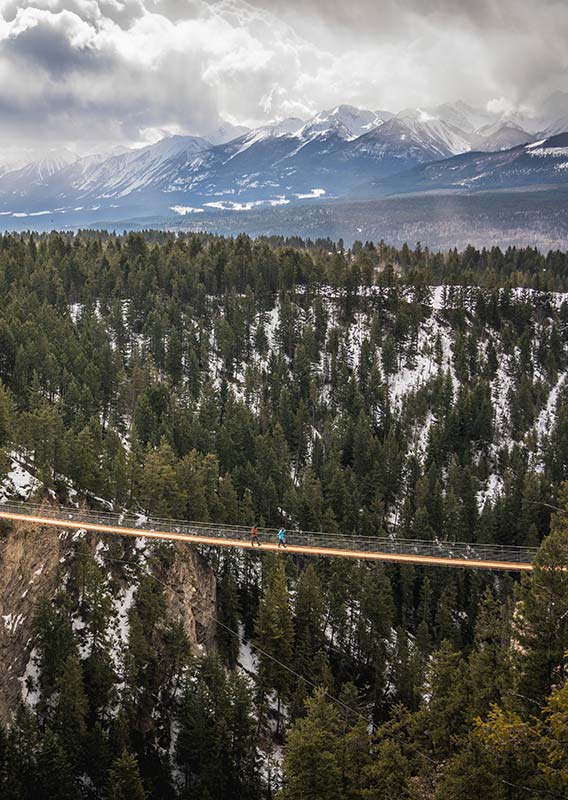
x,y
345,153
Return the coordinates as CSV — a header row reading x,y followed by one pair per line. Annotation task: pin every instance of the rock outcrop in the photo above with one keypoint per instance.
x,y
34,563
191,595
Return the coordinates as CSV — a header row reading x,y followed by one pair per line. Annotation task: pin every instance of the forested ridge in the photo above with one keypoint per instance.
x,y
372,390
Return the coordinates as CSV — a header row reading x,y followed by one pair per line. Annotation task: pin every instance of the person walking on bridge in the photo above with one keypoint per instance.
x,y
282,538
254,536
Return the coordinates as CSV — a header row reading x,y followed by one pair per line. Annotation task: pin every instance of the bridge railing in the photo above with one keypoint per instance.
x,y
369,544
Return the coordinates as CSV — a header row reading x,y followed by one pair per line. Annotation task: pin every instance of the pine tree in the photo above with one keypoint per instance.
x,y
54,770
471,772
54,640
216,744
389,356
541,621
191,486
228,501
159,488
388,777
489,665
274,636
449,705
124,781
310,502
97,757
308,621
407,671
71,711
6,415
354,746
374,628
311,764
228,614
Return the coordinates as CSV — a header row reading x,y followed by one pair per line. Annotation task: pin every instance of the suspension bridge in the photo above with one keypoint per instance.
x,y
310,543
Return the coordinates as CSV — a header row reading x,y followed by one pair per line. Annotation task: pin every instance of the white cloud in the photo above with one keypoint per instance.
x,y
122,70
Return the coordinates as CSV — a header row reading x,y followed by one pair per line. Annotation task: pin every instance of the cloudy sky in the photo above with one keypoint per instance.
x,y
90,73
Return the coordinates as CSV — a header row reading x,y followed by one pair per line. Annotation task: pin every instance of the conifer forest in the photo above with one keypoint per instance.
x,y
282,383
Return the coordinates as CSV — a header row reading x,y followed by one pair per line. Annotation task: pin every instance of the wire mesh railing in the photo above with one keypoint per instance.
x,y
391,545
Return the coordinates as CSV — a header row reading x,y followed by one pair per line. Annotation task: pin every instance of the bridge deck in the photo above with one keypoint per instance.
x,y
436,553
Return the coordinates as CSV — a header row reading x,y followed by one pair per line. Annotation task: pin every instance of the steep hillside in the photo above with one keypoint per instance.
x,y
39,565
540,163
501,137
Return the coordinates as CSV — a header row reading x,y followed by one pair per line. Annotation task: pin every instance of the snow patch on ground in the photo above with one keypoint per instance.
x,y
312,194
12,621
545,419
493,488
19,482
247,658
183,210
30,680
121,607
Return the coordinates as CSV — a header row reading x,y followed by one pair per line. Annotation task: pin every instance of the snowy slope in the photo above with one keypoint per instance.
x,y
40,171
407,143
418,364
538,164
501,137
157,163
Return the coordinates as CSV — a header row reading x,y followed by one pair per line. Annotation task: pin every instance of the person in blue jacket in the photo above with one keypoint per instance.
x,y
282,537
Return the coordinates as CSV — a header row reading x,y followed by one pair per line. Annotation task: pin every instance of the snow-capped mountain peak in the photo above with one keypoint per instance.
x,y
346,120
226,132
339,151
137,169
555,147
428,132
51,163
323,126
458,115
501,136
286,127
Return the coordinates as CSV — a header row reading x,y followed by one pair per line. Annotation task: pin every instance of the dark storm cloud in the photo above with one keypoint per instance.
x,y
97,70
47,48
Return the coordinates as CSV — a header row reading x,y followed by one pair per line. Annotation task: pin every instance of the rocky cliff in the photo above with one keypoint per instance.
x,y
35,562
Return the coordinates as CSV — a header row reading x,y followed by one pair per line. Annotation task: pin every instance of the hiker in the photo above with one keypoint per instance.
x,y
254,536
281,538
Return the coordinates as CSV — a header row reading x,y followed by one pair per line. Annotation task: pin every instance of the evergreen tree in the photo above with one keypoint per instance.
x,y
54,770
159,487
6,415
71,711
308,621
448,709
124,781
311,764
228,615
388,777
542,618
274,636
